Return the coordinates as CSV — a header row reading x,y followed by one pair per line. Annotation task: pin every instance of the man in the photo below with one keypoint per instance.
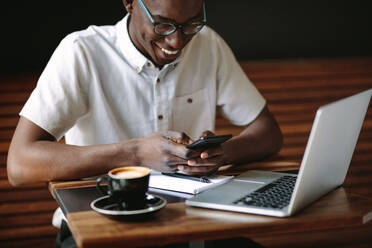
x,y
135,94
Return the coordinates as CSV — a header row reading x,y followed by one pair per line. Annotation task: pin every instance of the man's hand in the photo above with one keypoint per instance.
x,y
164,151
207,162
35,156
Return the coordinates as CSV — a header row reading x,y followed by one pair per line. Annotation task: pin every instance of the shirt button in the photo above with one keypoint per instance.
x,y
158,80
138,69
160,117
189,100
148,64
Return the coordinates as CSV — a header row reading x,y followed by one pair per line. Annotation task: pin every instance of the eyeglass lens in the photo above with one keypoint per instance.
x,y
168,28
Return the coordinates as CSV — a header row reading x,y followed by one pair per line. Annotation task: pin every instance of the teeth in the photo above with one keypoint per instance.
x,y
169,52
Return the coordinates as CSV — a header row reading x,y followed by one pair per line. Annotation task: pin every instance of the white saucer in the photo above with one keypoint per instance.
x,y
105,205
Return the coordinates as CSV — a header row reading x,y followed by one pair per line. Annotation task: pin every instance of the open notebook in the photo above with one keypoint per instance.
x,y
164,182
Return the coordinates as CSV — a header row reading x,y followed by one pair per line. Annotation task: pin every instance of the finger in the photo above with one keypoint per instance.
x,y
211,152
171,163
201,170
197,162
177,137
179,150
174,161
206,133
167,169
185,139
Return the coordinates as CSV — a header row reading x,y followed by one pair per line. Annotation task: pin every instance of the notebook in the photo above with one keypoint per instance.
x,y
324,166
184,185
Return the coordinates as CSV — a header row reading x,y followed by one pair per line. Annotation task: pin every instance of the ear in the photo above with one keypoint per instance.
x,y
128,4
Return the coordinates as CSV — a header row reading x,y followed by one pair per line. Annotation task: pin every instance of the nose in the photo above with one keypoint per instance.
x,y
176,40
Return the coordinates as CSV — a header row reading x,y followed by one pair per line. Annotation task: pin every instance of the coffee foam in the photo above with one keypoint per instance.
x,y
130,172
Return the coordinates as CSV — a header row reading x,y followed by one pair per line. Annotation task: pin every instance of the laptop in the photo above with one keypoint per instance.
x,y
324,165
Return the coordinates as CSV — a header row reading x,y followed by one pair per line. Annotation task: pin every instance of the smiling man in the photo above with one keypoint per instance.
x,y
136,93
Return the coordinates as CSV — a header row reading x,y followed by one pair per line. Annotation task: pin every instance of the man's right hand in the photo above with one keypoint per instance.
x,y
35,156
164,151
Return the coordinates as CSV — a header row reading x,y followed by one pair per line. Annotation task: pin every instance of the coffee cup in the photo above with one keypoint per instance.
x,y
127,186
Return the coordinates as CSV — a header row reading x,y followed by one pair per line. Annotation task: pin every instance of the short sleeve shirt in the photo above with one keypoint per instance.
x,y
97,88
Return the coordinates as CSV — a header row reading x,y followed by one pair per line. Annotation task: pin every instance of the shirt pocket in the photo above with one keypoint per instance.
x,y
193,114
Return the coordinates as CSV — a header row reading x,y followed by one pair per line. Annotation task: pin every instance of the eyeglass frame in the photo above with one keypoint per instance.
x,y
176,26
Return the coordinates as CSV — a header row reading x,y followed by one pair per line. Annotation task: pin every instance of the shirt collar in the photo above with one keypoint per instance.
x,y
131,53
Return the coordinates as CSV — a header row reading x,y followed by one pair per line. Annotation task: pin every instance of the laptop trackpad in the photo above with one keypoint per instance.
x,y
259,177
228,192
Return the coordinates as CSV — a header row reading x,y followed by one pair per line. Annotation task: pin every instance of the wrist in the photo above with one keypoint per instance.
x,y
226,153
126,153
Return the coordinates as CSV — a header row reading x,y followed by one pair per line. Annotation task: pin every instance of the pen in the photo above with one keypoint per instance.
x,y
184,176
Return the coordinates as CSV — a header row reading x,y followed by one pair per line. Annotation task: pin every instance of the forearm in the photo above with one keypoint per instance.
x,y
246,148
49,160
35,156
258,140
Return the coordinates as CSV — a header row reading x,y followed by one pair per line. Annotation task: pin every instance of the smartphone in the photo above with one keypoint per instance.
x,y
209,141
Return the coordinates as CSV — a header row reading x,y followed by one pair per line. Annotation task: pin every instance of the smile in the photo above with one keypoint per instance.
x,y
169,52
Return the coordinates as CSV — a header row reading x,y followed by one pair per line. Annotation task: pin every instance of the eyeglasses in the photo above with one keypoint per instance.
x,y
167,28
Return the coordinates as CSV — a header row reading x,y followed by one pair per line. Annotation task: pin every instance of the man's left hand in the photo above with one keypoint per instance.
x,y
208,162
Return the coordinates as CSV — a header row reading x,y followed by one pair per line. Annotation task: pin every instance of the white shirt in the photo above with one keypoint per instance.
x,y
98,88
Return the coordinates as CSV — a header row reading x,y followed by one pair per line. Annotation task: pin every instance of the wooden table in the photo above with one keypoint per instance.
x,y
178,223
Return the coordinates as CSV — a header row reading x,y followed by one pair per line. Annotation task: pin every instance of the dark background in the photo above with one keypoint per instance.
x,y
255,29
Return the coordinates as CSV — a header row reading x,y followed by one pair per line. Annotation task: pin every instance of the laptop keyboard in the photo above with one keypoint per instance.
x,y
274,195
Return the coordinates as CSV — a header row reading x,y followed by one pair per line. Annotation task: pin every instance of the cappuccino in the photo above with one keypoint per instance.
x,y
129,172
127,186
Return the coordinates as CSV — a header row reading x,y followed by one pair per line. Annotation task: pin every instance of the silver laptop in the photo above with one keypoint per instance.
x,y
324,166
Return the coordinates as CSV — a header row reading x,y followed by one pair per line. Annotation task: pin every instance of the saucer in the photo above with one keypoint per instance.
x,y
107,206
